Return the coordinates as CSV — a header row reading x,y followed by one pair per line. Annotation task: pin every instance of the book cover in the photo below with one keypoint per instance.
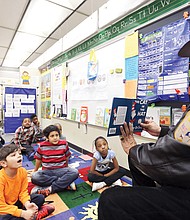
x,y
126,110
78,114
84,114
99,117
176,115
165,115
73,114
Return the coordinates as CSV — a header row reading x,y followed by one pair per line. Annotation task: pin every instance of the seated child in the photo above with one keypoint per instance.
x,y
53,154
15,202
38,136
60,128
24,136
102,172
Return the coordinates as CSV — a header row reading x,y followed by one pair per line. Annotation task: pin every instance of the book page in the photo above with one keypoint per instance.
x,y
182,132
120,115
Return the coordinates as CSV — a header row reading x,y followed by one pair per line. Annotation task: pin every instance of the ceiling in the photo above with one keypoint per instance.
x,y
29,27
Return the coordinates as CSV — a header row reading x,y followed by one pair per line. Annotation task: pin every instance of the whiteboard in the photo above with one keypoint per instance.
x,y
101,91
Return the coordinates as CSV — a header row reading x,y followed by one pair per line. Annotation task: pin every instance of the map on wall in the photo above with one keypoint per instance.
x,y
163,75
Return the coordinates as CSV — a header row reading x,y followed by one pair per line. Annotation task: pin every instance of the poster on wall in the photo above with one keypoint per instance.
x,y
59,93
92,66
46,95
19,103
163,75
29,76
43,109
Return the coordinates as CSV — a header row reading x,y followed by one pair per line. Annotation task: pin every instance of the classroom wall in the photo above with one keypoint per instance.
x,y
83,137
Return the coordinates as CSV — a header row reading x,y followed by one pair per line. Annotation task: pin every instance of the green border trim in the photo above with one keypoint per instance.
x,y
139,17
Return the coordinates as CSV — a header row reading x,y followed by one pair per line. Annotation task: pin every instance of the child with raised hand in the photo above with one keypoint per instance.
x,y
53,155
103,172
15,202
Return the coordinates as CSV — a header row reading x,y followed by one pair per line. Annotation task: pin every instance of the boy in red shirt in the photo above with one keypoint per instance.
x,y
53,155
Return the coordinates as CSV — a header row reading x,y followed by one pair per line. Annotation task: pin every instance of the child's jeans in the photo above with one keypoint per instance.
x,y
58,179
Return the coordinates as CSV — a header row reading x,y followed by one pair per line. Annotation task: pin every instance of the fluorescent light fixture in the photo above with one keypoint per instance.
x,y
42,17
84,30
26,42
15,58
21,48
113,10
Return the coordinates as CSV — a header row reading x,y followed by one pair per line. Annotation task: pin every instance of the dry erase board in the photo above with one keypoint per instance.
x,y
96,94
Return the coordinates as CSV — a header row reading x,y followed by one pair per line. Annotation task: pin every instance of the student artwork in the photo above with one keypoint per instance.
x,y
92,66
25,78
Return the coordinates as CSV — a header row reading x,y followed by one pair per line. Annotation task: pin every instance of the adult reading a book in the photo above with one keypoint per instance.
x,y
160,174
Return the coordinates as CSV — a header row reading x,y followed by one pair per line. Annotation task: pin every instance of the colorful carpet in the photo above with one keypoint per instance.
x,y
75,205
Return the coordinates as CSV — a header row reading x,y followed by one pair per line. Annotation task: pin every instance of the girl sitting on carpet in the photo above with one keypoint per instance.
x,y
102,171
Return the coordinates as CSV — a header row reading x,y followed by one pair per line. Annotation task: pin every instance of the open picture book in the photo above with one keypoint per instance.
x,y
126,110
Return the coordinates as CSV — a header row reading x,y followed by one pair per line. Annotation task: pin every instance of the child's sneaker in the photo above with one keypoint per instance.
x,y
44,211
72,186
96,186
46,191
117,183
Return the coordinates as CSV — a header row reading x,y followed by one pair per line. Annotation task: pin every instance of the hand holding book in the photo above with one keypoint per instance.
x,y
127,138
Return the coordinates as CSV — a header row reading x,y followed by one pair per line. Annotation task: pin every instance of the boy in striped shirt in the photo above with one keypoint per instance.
x,y
53,155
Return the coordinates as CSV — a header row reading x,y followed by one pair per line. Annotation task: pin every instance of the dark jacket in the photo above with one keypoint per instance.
x,y
167,161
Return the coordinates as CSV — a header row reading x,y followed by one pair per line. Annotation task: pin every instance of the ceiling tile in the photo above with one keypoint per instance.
x,y
26,42
68,25
72,4
3,51
26,63
91,6
33,57
6,36
11,12
47,44
43,22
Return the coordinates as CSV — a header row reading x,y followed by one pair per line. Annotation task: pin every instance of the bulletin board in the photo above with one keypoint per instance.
x,y
96,94
163,75
19,103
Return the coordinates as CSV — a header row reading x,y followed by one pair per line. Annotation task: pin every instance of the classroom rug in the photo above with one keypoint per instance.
x,y
81,204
